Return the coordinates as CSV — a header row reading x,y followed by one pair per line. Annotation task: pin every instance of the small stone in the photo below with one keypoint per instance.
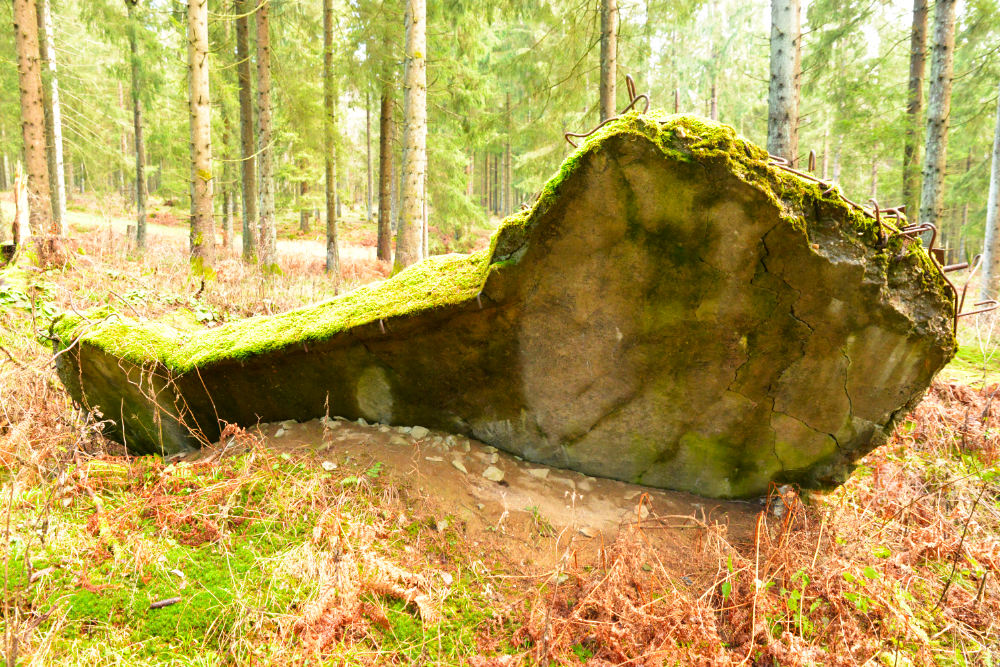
x,y
362,422
419,432
441,525
459,466
494,458
493,474
279,433
447,578
587,531
288,424
632,494
540,473
643,511
399,440
450,441
489,450
480,506
383,428
585,485
436,459
466,447
403,429
329,466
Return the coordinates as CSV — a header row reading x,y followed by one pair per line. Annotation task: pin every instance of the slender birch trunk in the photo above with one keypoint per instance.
x,y
268,233
783,94
248,152
408,238
53,116
140,148
368,151
938,111
915,107
40,220
991,252
609,57
202,215
330,144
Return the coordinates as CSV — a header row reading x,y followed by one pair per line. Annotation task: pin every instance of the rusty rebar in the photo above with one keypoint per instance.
x,y
633,100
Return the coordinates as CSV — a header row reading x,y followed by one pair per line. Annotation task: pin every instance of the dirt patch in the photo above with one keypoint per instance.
x,y
522,513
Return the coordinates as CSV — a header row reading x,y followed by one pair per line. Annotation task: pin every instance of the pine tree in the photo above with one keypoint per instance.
x,y
248,150
991,251
408,238
938,111
329,144
265,137
783,97
202,215
140,148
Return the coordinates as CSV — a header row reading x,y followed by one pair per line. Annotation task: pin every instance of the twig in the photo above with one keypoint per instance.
x,y
958,550
11,357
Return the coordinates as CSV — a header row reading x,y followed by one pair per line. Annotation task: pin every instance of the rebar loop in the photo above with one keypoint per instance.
x,y
633,100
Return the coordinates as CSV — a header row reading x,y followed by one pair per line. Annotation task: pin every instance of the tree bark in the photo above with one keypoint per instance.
x,y
408,238
783,93
368,151
53,116
268,233
386,132
938,111
33,122
202,215
991,251
330,144
915,107
507,167
248,153
140,148
609,57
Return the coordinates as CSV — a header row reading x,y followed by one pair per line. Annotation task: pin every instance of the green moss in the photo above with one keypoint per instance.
x,y
453,279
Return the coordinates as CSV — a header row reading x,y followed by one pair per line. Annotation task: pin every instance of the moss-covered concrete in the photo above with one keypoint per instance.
x,y
671,311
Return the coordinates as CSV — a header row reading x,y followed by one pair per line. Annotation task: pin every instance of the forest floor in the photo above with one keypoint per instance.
x,y
348,543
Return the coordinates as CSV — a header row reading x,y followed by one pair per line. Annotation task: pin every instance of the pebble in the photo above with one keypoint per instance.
x,y
450,441
398,440
280,432
329,465
288,424
587,531
419,432
585,485
466,447
489,450
403,429
480,506
384,429
494,458
436,459
632,494
540,473
441,525
493,474
447,578
362,422
459,466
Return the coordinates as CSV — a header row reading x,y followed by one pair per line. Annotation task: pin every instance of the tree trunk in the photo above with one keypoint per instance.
x,y
915,107
202,215
386,132
408,246
938,110
268,233
368,151
33,123
609,57
713,111
53,116
874,189
838,144
248,157
4,161
329,144
826,157
991,251
140,149
507,168
783,93
304,208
